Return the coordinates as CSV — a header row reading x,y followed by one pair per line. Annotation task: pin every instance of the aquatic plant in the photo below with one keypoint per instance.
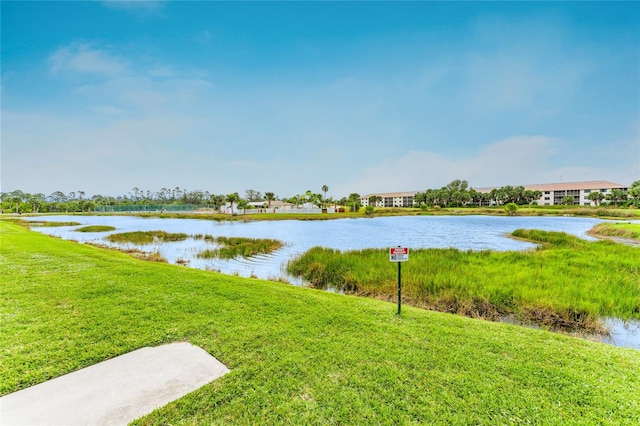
x,y
146,237
96,228
231,247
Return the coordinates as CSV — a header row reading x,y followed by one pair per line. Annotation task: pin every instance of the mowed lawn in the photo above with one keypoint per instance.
x,y
298,356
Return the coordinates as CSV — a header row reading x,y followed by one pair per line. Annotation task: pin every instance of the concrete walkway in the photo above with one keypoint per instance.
x,y
116,391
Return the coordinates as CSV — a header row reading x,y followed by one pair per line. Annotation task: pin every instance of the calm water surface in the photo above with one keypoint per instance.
x,y
462,232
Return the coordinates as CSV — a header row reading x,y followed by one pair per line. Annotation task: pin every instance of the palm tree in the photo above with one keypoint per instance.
x,y
270,196
17,199
232,198
596,196
243,204
354,198
617,195
325,189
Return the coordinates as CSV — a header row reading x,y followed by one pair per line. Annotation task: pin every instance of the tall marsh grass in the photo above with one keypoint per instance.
x,y
566,282
623,230
96,228
146,237
232,247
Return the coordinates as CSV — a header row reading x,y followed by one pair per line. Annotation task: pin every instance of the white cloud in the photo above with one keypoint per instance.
x,y
514,161
83,58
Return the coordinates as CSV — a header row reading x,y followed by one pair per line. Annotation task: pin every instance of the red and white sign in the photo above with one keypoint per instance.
x,y
398,254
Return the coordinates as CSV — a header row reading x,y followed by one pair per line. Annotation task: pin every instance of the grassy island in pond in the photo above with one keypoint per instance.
x,y
231,247
297,356
567,282
146,237
96,228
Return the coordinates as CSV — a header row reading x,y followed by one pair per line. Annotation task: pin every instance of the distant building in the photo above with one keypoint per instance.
x,y
391,199
275,204
554,193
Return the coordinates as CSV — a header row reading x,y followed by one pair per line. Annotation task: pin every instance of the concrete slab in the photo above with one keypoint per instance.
x,y
116,391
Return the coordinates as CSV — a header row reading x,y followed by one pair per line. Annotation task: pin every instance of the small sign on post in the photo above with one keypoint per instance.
x,y
399,254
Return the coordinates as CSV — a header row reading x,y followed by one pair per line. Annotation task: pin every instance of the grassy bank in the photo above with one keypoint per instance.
x,y
566,283
298,356
629,231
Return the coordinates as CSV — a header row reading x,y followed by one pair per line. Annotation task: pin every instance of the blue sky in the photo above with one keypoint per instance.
x,y
289,96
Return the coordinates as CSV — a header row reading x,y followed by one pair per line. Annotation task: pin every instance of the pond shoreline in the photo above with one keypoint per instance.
x,y
437,231
608,213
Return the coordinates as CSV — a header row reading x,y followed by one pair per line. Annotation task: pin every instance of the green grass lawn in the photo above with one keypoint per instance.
x,y
298,356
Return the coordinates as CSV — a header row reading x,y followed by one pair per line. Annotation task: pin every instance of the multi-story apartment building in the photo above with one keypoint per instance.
x,y
390,199
552,193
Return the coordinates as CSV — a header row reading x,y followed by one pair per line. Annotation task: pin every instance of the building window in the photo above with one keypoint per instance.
x,y
587,191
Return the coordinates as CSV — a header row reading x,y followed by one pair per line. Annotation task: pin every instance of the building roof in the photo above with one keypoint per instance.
x,y
565,186
391,194
274,203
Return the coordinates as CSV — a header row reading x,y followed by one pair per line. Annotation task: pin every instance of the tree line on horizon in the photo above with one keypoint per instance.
x,y
457,193
76,201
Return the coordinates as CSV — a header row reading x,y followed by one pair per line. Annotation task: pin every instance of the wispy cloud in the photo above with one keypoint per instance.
x,y
84,58
514,161
137,6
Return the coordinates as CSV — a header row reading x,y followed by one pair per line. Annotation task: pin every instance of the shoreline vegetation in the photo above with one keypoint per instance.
x,y
297,355
602,212
96,228
566,284
232,247
623,232
558,286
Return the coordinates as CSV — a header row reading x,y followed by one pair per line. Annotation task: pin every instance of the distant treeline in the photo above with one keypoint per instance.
x,y
458,194
167,199
455,194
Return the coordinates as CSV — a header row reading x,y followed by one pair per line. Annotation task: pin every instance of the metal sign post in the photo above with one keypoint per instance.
x,y
399,254
399,287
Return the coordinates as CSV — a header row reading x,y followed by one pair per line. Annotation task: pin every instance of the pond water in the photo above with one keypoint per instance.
x,y
462,232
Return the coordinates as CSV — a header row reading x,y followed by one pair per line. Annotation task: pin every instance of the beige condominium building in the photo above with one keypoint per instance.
x,y
552,193
390,199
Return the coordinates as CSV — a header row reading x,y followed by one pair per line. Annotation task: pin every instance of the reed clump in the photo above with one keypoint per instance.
x,y
566,283
621,230
232,247
96,228
46,224
146,237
